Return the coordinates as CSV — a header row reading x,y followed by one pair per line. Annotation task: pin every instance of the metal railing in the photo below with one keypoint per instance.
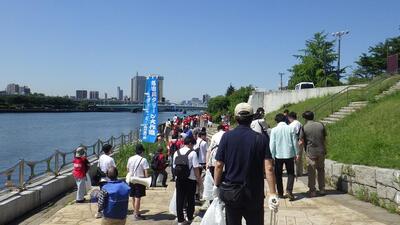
x,y
345,96
24,173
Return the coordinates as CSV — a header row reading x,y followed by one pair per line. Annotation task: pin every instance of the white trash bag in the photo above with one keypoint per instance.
x,y
208,187
215,214
172,204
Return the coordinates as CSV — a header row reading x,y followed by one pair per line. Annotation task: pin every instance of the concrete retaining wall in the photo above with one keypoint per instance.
x,y
383,184
20,203
274,100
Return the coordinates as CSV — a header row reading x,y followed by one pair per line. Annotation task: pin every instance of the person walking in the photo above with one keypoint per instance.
x,y
213,149
313,138
137,167
245,155
187,173
158,165
81,167
167,129
201,151
258,124
284,151
113,200
296,127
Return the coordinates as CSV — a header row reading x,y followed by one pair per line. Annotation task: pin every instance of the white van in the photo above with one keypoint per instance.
x,y
304,85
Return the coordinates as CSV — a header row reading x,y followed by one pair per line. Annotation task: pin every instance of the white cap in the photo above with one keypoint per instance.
x,y
243,109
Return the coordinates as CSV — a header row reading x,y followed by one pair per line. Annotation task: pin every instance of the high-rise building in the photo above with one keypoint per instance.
x,y
138,87
12,89
120,94
81,94
94,95
105,96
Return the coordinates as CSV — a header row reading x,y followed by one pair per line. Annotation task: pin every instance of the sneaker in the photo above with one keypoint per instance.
x,y
312,194
139,217
80,201
98,215
290,196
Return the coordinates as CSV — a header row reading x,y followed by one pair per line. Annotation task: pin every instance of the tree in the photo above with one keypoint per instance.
x,y
230,90
316,63
374,62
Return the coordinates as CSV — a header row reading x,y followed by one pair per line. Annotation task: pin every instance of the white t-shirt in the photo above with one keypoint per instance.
x,y
193,161
215,139
106,162
259,125
138,162
296,126
203,150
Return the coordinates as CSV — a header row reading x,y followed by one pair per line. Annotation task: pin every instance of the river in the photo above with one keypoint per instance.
x,y
34,136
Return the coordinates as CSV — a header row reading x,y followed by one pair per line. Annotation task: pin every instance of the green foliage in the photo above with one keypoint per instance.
x,y
126,151
230,90
36,101
226,104
362,194
316,63
374,62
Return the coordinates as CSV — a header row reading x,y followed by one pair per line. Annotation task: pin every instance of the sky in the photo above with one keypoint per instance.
x,y
57,47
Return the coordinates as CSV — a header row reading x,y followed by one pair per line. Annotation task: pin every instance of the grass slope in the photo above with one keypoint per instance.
x,y
370,137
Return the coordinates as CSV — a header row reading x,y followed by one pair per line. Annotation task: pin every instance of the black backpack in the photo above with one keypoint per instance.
x,y
173,148
156,164
182,170
197,150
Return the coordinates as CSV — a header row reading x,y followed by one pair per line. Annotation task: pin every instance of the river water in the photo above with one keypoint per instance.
x,y
35,136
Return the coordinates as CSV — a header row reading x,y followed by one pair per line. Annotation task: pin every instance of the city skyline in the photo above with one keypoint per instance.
x,y
57,48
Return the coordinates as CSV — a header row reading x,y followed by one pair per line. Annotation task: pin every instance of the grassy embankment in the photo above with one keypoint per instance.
x,y
368,137
364,94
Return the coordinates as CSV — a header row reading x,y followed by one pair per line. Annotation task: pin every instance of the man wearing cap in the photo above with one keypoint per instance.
x,y
245,155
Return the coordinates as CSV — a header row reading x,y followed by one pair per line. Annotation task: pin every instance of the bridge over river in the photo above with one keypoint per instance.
x,y
138,107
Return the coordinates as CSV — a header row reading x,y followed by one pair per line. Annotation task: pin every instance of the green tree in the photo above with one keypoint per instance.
x,y
316,63
374,62
230,90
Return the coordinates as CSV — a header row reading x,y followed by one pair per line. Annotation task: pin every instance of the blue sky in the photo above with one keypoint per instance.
x,y
200,47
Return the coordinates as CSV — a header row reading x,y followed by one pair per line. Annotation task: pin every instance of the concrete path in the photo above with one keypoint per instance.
x,y
333,209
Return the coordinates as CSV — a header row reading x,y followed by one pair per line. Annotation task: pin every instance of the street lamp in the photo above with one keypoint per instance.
x,y
339,35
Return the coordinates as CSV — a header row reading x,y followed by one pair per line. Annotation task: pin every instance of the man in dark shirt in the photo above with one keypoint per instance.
x,y
313,138
245,154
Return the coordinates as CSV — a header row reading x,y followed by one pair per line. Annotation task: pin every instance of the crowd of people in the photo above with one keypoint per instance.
x,y
238,161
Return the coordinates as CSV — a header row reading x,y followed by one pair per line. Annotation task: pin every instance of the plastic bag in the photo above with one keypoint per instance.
x,y
88,183
215,214
208,187
172,204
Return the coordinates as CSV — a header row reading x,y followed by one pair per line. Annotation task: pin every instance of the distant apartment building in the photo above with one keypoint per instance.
x,y
196,101
2,93
94,95
105,96
120,94
138,87
15,89
81,94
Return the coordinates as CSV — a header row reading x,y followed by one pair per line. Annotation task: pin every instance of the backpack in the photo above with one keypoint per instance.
x,y
197,150
156,163
173,148
182,170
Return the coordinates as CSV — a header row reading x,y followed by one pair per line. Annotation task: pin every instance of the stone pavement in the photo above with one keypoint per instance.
x,y
333,209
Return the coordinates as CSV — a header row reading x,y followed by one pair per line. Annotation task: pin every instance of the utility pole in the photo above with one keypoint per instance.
x,y
281,74
339,35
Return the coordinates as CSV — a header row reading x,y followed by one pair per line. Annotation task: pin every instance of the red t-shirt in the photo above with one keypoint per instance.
x,y
81,166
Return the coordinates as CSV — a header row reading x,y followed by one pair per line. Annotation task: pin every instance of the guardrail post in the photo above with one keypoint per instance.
x,y
21,177
122,140
56,164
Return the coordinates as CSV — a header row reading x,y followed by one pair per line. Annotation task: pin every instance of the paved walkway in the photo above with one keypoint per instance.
x,y
332,209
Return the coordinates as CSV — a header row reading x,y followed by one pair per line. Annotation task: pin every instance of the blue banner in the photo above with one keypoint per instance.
x,y
149,128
